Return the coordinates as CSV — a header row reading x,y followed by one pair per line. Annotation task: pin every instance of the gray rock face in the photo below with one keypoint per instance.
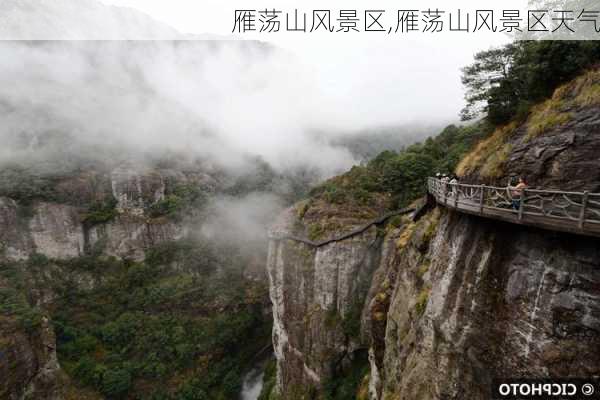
x,y
504,302
454,300
57,231
317,294
129,236
28,362
15,243
135,191
564,157
445,314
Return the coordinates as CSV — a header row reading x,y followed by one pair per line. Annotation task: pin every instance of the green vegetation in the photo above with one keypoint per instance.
x,y
505,82
581,92
178,199
351,321
402,174
141,330
345,385
13,299
423,268
546,116
24,186
406,235
511,90
422,300
14,304
269,381
489,156
101,212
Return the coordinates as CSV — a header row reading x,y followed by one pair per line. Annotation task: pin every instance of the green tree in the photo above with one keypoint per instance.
x,y
504,82
486,76
405,176
115,383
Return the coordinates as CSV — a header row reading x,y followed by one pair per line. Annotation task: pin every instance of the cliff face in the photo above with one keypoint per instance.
x,y
318,297
119,241
30,366
496,301
453,300
59,230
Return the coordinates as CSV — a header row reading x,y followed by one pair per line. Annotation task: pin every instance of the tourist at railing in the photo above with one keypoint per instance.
x,y
445,179
516,192
454,183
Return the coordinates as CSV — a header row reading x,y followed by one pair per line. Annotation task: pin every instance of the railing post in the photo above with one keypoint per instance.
x,y
445,192
522,204
481,198
583,209
455,192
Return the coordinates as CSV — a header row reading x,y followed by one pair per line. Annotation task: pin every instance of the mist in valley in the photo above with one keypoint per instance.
x,y
238,110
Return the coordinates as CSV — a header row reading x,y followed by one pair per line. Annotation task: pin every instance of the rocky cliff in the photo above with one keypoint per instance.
x,y
68,223
59,227
446,303
84,248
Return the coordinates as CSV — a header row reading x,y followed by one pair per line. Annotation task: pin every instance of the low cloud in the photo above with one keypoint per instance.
x,y
241,219
221,100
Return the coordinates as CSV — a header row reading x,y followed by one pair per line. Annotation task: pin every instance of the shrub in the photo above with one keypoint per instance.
x,y
423,268
406,235
85,371
38,260
345,385
169,205
546,116
422,300
115,382
232,383
489,154
315,231
101,212
14,303
178,199
351,322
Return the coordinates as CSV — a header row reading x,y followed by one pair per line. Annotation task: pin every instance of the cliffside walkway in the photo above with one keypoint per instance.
x,y
354,232
573,212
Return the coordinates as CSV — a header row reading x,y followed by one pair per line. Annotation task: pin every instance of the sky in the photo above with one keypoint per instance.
x,y
394,80
282,105
220,103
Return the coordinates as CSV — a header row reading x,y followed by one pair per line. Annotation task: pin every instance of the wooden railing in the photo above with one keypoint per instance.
x,y
575,212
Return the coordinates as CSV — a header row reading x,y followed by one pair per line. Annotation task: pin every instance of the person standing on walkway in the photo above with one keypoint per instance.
x,y
454,182
444,181
516,192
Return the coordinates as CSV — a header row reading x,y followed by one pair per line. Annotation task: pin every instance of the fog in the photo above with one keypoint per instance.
x,y
241,219
220,100
224,102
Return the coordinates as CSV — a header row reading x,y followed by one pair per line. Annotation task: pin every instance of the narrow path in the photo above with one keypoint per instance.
x,y
354,232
